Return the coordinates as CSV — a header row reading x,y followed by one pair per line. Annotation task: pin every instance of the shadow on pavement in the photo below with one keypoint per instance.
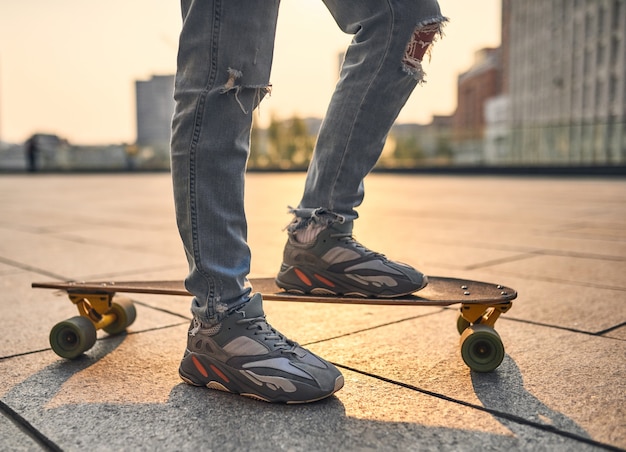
x,y
194,418
503,392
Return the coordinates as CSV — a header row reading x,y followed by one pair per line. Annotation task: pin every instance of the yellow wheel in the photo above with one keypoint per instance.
x,y
124,310
73,337
481,348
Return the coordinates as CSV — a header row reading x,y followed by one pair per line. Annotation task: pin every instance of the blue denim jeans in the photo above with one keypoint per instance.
x,y
224,61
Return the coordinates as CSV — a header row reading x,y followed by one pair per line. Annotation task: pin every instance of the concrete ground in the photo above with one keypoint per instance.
x,y
561,242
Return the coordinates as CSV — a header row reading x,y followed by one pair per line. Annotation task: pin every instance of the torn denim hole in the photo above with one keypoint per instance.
x,y
220,309
425,35
231,86
311,218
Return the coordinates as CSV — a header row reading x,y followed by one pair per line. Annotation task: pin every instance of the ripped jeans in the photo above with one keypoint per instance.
x,y
224,61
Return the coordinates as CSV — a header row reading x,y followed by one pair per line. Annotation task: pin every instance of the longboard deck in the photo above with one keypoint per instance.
x,y
481,305
440,291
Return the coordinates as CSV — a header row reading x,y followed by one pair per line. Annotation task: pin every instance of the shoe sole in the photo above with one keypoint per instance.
x,y
209,380
302,282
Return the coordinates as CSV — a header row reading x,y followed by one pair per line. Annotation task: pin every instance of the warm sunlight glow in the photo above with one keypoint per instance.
x,y
68,67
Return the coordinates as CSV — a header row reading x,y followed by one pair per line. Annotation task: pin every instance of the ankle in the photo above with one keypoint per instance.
x,y
308,234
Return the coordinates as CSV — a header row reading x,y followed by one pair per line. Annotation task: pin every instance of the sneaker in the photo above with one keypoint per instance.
x,y
244,355
336,264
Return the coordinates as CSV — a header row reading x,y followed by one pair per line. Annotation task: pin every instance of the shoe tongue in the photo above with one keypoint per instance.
x,y
254,307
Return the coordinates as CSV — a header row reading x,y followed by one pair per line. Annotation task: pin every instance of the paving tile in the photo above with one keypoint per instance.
x,y
6,269
29,315
619,333
530,383
310,322
583,272
13,438
559,242
73,260
132,389
491,212
577,376
164,241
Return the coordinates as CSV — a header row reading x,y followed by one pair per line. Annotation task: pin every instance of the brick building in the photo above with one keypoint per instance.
x,y
475,86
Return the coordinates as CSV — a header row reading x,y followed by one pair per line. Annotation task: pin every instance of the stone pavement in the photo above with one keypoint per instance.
x,y
561,242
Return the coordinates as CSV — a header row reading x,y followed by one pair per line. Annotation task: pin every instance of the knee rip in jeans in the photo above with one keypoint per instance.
x,y
231,86
422,39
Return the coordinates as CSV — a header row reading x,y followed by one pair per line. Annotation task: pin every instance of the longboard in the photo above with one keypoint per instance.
x,y
100,307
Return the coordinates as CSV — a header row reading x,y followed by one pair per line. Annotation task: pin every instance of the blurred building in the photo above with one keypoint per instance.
x,y
475,87
155,107
497,138
564,66
553,93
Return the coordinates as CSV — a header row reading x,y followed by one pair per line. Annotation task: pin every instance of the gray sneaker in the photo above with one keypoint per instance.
x,y
336,264
244,355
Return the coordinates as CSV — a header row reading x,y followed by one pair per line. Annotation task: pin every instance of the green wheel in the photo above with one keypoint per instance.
x,y
73,337
124,310
481,348
462,324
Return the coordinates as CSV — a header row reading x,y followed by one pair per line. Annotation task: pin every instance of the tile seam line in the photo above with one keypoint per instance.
x,y
566,282
371,328
539,251
28,428
495,413
104,338
599,333
31,268
108,276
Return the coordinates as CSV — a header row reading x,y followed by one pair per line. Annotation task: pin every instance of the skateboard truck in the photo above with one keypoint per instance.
x,y
98,311
472,314
481,347
96,307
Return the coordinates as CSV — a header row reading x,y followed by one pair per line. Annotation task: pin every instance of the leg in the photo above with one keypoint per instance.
x,y
224,63
382,67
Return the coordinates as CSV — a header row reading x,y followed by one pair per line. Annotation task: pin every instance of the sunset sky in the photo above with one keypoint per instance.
x,y
69,66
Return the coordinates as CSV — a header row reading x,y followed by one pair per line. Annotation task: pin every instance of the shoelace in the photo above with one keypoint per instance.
x,y
264,329
348,238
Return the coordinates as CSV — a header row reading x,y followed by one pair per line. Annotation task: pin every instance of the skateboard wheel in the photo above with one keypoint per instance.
x,y
71,338
124,310
462,324
481,348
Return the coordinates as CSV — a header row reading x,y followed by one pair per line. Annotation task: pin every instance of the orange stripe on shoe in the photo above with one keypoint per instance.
x,y
302,277
328,282
219,373
199,366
